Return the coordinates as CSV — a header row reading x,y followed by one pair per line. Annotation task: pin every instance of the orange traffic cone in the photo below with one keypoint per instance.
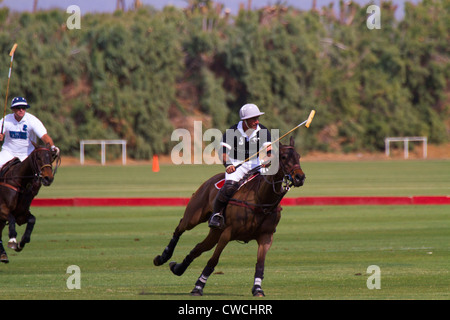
x,y
155,165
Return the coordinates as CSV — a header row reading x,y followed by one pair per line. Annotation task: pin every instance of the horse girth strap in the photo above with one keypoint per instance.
x,y
258,208
9,186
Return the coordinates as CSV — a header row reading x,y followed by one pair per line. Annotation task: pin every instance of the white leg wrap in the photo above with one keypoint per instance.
x,y
203,278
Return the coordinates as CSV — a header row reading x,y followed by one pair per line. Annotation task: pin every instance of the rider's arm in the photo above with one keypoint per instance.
x,y
229,167
267,157
47,139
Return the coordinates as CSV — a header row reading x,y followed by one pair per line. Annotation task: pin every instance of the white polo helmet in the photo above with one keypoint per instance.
x,y
249,110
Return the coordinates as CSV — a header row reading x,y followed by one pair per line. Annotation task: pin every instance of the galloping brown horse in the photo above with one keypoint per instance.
x,y
252,214
19,184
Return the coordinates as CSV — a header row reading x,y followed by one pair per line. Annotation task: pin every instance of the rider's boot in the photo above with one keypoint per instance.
x,y
223,196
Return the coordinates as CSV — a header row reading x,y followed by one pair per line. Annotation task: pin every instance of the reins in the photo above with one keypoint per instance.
x,y
286,183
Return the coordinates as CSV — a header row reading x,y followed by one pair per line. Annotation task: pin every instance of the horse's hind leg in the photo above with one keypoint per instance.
x,y
207,244
26,238
194,214
168,251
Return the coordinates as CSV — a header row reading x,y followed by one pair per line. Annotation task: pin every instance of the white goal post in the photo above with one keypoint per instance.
x,y
405,140
103,144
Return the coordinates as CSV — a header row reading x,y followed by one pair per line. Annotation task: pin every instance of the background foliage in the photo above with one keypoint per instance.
x,y
132,74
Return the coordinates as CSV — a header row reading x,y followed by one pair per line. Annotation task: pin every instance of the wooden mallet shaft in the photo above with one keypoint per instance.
x,y
307,122
11,54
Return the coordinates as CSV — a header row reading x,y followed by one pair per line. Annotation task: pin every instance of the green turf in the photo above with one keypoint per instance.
x,y
319,252
363,178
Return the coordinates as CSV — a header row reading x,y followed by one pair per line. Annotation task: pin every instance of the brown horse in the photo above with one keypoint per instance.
x,y
252,214
19,184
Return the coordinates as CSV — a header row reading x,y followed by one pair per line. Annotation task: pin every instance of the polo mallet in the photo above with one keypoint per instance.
x,y
11,54
307,122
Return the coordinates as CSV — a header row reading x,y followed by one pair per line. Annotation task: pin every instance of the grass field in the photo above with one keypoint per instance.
x,y
366,178
319,252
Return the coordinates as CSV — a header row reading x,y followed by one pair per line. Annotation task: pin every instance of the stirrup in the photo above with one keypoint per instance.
x,y
216,221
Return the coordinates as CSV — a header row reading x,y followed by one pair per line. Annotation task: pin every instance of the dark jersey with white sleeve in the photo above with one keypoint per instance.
x,y
239,146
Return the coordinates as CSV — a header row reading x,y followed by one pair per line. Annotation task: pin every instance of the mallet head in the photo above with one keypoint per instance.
x,y
11,53
311,116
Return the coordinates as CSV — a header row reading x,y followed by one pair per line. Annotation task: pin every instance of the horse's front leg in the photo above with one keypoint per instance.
x,y
264,244
12,243
3,255
225,237
26,238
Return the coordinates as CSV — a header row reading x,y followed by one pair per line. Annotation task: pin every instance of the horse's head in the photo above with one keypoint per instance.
x,y
290,164
42,159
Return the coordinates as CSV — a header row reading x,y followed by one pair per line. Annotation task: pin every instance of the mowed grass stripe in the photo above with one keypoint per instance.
x,y
319,252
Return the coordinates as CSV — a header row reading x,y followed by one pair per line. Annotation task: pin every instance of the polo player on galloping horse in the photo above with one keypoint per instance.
x,y
18,132
240,141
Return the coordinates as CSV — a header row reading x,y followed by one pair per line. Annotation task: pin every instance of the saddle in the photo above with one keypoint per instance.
x,y
8,165
247,178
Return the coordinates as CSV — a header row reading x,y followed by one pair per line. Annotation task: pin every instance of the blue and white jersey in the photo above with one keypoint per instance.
x,y
19,134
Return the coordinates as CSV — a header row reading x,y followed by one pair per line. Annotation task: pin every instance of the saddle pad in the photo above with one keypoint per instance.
x,y
8,165
219,184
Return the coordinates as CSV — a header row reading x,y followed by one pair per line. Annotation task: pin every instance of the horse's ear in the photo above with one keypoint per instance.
x,y
291,142
35,144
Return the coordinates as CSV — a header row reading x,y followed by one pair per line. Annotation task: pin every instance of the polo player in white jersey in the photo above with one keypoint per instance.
x,y
19,130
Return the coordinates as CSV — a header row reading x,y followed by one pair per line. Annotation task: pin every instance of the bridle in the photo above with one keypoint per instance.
x,y
285,184
287,181
37,171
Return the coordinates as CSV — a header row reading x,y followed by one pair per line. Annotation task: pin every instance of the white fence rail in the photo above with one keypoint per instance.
x,y
103,144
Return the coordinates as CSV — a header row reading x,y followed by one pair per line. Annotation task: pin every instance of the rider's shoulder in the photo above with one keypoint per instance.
x,y
30,117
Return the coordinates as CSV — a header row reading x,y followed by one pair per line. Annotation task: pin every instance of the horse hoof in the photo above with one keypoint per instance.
x,y
12,244
157,261
4,258
258,292
19,248
177,268
197,292
172,266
